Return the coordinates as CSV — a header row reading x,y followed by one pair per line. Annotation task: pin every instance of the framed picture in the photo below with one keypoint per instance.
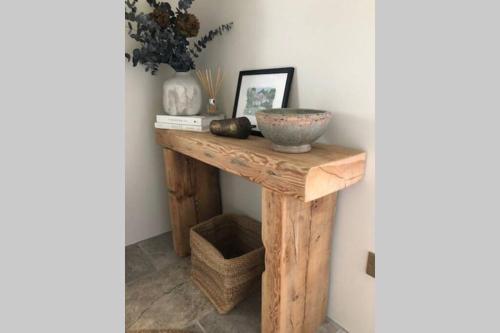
x,y
262,89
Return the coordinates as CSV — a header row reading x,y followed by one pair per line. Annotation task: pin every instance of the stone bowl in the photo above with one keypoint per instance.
x,y
292,130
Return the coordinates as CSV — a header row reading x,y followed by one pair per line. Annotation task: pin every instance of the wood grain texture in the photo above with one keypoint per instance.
x,y
318,268
297,237
194,195
324,170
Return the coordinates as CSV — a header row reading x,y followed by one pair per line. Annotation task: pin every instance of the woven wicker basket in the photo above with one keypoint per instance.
x,y
227,258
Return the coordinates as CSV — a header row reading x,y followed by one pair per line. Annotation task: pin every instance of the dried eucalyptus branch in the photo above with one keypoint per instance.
x,y
163,35
200,44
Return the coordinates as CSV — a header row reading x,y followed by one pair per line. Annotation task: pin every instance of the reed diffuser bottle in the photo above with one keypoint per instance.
x,y
211,87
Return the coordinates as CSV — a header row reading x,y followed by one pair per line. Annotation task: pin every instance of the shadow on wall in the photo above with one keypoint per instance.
x,y
294,100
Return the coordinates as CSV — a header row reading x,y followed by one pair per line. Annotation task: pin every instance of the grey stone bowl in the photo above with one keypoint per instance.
x,y
292,130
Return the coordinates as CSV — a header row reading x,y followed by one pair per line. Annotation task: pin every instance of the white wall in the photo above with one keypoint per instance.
x,y
146,208
331,46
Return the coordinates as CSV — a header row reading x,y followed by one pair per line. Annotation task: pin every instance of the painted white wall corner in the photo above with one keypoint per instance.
x,y
146,207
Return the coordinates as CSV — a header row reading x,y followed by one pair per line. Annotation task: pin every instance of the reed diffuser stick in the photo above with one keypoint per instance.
x,y
210,81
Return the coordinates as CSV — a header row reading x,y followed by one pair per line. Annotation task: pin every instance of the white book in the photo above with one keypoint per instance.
x,y
188,120
183,127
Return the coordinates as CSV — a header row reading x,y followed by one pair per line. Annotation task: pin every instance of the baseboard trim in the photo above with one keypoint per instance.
x,y
341,329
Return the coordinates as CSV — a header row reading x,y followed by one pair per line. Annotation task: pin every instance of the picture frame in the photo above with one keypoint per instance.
x,y
261,89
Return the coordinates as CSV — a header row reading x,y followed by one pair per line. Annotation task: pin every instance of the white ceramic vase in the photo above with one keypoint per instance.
x,y
182,95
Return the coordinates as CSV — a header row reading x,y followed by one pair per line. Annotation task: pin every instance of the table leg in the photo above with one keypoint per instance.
x,y
194,195
297,237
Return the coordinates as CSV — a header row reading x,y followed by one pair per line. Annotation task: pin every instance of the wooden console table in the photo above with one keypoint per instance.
x,y
299,193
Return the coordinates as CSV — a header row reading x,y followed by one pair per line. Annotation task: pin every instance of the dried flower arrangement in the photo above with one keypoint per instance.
x,y
163,35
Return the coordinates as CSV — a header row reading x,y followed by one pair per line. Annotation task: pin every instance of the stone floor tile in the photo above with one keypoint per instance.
x,y
192,329
159,244
245,317
137,263
160,295
160,250
177,308
164,260
143,292
195,328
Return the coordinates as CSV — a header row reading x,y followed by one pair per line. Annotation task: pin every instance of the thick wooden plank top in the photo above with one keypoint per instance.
x,y
308,176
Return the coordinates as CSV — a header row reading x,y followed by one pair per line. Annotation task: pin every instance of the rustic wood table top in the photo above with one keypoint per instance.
x,y
308,176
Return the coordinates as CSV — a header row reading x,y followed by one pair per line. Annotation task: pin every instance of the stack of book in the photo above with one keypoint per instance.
x,y
186,123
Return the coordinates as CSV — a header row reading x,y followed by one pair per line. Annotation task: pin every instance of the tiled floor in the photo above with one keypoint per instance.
x,y
160,295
